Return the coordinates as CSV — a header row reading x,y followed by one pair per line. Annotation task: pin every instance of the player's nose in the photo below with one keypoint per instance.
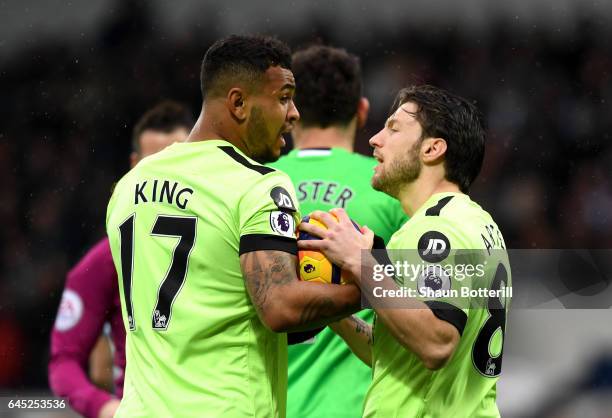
x,y
377,140
293,115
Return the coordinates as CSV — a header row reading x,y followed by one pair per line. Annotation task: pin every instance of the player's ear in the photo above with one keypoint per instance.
x,y
433,149
363,108
236,104
133,159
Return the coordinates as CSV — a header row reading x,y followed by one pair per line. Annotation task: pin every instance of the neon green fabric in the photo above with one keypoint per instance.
x,y
205,353
465,387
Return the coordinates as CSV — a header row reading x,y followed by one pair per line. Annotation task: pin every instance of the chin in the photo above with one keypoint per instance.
x,y
375,182
273,158
376,185
269,157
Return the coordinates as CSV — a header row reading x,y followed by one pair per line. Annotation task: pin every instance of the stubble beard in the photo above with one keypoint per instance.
x,y
403,170
257,138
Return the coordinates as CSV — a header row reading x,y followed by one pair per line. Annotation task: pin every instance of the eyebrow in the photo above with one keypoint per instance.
x,y
288,86
410,113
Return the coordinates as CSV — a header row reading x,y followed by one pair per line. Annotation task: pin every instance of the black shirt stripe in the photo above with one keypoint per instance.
x,y
240,159
257,242
435,210
449,313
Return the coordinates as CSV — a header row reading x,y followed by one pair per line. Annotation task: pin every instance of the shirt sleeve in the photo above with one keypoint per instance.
x,y
85,306
269,215
438,267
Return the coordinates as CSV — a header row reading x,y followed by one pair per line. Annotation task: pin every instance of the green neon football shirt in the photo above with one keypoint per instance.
x,y
465,387
319,369
177,223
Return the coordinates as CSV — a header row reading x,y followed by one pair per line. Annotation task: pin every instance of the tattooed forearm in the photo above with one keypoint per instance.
x,y
316,308
280,273
264,269
358,336
362,327
284,302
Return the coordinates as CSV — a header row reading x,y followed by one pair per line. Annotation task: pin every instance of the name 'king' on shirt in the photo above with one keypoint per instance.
x,y
163,191
177,224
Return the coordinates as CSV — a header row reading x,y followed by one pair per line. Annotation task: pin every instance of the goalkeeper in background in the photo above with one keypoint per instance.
x,y
327,173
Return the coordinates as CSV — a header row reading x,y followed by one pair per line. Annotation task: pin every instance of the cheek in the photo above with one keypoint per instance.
x,y
399,145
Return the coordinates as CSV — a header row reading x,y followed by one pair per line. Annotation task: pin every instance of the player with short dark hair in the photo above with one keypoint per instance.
x,y
440,355
203,238
91,297
243,59
326,174
330,91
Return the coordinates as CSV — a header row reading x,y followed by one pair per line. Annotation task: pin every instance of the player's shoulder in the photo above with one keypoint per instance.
x,y
248,174
452,217
96,263
457,210
255,181
237,160
100,251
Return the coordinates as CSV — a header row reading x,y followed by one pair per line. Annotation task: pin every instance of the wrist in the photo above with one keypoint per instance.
x,y
353,267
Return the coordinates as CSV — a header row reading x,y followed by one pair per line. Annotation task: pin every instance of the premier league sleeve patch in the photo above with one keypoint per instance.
x,y
282,223
434,282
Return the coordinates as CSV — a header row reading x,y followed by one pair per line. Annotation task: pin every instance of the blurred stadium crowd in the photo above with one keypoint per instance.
x,y
68,110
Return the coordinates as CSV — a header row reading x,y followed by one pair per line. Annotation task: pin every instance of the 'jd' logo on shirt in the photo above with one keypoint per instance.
x,y
282,199
434,246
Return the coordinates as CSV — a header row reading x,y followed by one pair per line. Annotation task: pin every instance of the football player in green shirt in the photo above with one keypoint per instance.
x,y
440,355
203,240
327,174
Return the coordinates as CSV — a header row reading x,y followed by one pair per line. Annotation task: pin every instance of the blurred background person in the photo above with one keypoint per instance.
x,y
327,173
91,296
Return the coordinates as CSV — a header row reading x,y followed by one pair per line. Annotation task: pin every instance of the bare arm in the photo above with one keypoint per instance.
x,y
285,303
101,364
357,334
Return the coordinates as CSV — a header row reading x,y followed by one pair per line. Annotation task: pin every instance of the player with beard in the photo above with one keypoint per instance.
x,y
438,355
203,238
91,297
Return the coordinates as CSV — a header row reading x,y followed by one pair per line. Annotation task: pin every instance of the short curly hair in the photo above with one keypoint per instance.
x,y
240,57
328,84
